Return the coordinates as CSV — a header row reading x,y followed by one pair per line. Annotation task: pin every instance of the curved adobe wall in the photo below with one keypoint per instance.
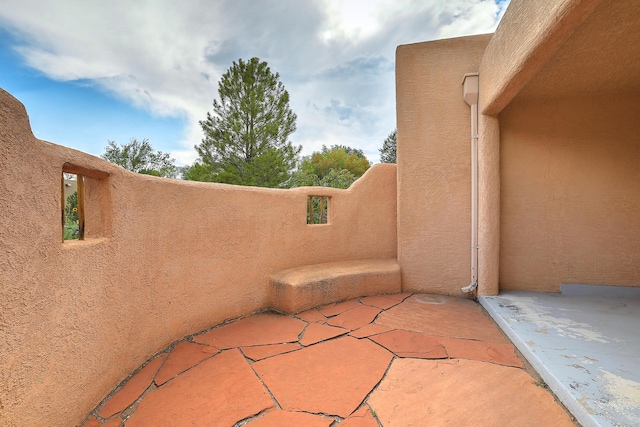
x,y
162,259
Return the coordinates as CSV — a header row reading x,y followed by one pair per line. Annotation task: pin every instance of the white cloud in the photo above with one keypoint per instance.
x,y
335,57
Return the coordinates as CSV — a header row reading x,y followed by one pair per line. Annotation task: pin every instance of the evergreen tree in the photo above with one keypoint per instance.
x,y
246,138
388,150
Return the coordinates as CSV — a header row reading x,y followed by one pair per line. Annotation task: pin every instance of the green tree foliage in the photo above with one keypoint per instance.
x,y
337,167
71,230
247,137
198,172
139,156
388,150
71,207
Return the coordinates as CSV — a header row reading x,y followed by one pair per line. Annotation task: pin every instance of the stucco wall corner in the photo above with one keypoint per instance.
x,y
528,36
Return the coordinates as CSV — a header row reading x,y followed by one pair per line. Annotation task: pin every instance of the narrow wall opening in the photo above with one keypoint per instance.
x,y
72,195
85,203
318,209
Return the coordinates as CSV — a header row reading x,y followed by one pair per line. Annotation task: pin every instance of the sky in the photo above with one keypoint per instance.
x,y
89,72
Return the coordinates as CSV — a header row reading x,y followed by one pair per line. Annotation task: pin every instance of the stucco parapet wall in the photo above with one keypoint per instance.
x,y
529,34
298,289
78,317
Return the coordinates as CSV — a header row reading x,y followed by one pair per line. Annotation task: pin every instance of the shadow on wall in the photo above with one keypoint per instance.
x,y
160,259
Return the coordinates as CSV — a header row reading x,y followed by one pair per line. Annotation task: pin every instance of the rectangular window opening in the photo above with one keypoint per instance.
x,y
72,198
317,209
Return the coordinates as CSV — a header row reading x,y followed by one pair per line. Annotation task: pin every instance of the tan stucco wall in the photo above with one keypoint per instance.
x,y
434,163
529,34
570,186
163,258
488,205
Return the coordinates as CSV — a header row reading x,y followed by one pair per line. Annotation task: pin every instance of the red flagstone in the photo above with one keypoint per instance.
x,y
182,357
92,422
263,351
442,316
502,354
331,378
355,318
462,393
334,309
286,418
316,333
260,329
399,297
220,391
368,330
312,316
133,389
379,301
361,418
411,344
336,375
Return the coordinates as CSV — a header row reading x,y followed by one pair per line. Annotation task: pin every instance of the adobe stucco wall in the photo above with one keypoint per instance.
x,y
570,192
163,259
434,163
528,36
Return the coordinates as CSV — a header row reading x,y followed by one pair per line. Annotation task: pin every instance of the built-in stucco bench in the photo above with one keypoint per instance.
x,y
298,289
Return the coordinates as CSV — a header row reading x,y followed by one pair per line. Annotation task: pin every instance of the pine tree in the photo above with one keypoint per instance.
x,y
388,150
246,138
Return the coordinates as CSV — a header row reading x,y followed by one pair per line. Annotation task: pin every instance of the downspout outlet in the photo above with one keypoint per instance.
x,y
470,288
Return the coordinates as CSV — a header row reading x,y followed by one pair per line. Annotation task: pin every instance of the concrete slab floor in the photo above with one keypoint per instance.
x,y
585,345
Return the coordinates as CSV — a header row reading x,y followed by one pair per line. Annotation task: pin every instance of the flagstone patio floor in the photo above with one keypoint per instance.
x,y
389,360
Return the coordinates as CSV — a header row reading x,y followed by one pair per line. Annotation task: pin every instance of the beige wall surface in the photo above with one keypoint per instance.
x,y
488,205
434,163
529,34
162,259
570,192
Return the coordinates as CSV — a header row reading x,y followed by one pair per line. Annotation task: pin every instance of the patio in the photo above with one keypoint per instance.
x,y
391,360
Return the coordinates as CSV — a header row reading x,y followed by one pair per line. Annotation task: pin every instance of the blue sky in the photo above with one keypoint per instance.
x,y
89,72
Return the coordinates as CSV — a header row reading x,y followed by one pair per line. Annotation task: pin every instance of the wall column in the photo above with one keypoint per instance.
x,y
489,205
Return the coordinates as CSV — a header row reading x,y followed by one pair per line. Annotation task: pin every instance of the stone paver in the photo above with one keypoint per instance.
x,y
220,391
182,357
379,301
355,318
369,330
316,333
286,418
442,316
411,344
260,352
265,328
92,422
401,360
312,316
334,309
333,377
361,418
502,354
462,392
398,297
132,389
